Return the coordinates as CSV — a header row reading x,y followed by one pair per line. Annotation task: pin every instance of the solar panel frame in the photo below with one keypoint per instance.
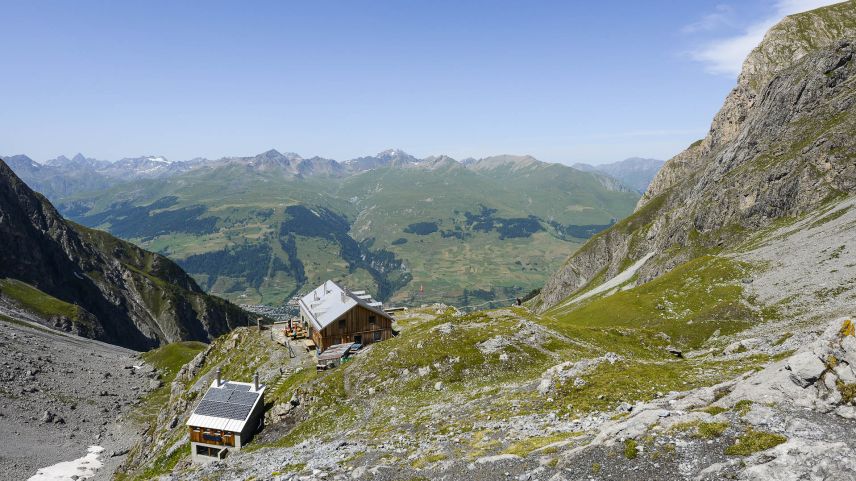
x,y
236,387
238,412
243,398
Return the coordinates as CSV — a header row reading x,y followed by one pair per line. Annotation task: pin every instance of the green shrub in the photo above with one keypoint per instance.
x,y
630,451
848,391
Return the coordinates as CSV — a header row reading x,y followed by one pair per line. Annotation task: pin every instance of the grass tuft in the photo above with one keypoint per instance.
x,y
630,451
753,441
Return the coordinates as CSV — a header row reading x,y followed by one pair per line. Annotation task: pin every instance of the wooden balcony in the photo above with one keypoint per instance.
x,y
212,436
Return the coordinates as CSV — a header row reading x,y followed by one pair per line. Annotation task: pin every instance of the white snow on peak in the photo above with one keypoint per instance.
x,y
159,159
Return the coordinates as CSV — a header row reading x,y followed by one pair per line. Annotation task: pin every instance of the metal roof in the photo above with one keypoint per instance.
x,y
335,352
226,407
329,301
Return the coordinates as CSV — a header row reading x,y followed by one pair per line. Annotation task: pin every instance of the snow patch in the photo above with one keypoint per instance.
x,y
616,281
83,468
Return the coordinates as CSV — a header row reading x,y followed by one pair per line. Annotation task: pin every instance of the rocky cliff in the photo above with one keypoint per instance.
x,y
781,145
88,282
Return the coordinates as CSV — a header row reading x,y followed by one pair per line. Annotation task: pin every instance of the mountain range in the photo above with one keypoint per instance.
x,y
62,176
260,229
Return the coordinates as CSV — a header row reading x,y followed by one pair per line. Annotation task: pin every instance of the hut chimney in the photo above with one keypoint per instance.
x,y
219,372
256,381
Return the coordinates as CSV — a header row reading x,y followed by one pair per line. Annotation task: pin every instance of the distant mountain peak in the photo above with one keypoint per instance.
x,y
270,153
514,162
396,155
391,153
21,161
633,172
274,154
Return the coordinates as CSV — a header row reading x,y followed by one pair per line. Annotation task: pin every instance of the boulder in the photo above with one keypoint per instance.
x,y
847,412
741,346
805,369
497,458
805,459
848,344
845,373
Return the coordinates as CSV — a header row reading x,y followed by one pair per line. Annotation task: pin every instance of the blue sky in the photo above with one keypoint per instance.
x,y
565,81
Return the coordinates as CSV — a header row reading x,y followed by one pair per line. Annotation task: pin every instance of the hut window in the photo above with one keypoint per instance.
x,y
376,336
372,320
341,323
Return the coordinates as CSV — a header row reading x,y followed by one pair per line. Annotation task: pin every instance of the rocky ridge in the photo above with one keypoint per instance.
x,y
781,146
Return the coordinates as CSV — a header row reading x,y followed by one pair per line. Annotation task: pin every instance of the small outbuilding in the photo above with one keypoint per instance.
x,y
334,355
335,315
228,416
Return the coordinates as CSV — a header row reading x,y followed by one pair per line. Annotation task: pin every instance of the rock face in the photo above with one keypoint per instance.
x,y
113,290
781,145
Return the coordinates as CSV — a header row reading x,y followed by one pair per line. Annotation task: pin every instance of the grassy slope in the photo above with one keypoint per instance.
x,y
168,360
689,304
36,301
381,394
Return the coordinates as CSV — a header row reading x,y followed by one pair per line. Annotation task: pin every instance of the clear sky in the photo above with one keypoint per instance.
x,y
565,81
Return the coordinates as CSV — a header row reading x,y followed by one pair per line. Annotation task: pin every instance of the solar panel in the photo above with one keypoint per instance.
x,y
218,395
236,387
243,398
229,401
238,412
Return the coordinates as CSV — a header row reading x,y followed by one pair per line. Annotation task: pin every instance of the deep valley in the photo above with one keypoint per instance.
x,y
387,318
